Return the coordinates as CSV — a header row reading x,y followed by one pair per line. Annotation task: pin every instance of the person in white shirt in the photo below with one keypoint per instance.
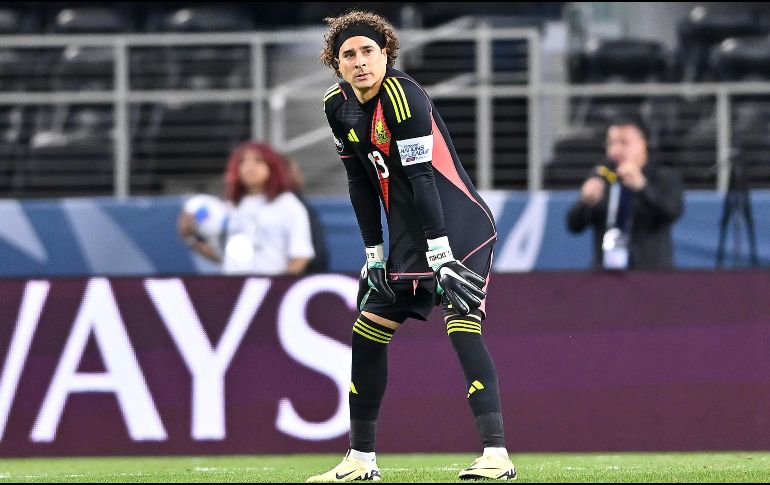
x,y
268,228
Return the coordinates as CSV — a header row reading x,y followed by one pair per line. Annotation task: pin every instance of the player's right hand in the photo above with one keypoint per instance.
x,y
374,277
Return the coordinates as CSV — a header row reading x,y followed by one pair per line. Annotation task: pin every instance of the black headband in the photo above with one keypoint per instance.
x,y
355,30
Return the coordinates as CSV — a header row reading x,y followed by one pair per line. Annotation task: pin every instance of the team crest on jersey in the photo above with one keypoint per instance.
x,y
338,144
380,131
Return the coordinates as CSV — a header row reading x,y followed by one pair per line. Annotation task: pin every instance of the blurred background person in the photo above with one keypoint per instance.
x,y
630,203
267,229
319,263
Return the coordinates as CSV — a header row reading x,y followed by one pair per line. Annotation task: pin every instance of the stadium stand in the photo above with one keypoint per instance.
x,y
604,61
180,144
714,45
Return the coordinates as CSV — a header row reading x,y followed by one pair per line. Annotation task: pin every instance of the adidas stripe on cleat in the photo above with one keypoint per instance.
x,y
349,470
489,467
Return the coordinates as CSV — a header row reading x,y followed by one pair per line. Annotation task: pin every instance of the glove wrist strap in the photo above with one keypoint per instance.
x,y
375,254
439,252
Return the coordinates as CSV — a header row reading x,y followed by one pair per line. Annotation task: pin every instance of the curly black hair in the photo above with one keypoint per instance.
x,y
340,23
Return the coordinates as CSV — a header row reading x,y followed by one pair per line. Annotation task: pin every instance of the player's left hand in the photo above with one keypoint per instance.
x,y
462,287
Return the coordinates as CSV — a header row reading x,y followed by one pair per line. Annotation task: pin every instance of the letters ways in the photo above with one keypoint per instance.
x,y
105,318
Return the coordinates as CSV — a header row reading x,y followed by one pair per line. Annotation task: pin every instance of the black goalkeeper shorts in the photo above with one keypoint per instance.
x,y
415,298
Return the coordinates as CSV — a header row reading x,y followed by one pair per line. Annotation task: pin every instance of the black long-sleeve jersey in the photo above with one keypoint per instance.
x,y
396,149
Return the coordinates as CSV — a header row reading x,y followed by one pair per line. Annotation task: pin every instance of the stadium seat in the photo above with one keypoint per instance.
x,y
90,20
10,21
186,141
706,27
625,60
575,154
74,141
194,67
207,18
77,160
742,59
84,68
20,69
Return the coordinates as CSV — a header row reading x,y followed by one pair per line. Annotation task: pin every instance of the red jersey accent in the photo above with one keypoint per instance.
x,y
380,131
442,160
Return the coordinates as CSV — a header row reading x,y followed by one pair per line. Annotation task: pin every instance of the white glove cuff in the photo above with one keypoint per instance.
x,y
439,252
375,254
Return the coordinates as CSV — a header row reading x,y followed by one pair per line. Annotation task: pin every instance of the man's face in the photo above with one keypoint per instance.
x,y
626,144
362,64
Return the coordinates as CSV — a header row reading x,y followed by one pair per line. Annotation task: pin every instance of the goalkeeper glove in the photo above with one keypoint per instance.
x,y
461,286
374,277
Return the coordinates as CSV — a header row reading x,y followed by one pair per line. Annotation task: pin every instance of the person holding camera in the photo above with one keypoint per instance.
x,y
630,202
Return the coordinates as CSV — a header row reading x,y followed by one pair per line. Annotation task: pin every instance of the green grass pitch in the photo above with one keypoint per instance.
x,y
550,467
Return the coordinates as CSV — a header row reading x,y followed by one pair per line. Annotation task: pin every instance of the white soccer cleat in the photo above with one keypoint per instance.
x,y
489,467
348,470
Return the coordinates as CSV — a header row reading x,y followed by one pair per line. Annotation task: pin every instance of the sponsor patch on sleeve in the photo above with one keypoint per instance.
x,y
416,150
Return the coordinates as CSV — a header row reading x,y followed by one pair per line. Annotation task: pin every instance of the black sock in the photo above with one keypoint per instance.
x,y
369,379
363,435
490,427
480,376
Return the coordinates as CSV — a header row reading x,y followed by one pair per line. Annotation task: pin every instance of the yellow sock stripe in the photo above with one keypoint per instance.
x,y
462,325
363,333
392,101
457,316
353,388
469,322
331,95
376,331
403,97
463,330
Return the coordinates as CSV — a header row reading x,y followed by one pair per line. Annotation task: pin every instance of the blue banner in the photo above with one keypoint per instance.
x,y
105,236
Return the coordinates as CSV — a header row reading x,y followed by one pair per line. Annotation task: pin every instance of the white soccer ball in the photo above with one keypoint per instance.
x,y
211,215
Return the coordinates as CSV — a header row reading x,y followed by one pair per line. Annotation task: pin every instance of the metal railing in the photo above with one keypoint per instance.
x,y
269,103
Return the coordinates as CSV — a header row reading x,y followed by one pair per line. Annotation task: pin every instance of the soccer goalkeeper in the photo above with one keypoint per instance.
x,y
397,152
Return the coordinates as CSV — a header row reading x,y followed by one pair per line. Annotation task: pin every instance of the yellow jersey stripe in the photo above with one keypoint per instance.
x,y
392,101
400,106
353,388
332,88
477,385
331,95
377,331
403,98
363,334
